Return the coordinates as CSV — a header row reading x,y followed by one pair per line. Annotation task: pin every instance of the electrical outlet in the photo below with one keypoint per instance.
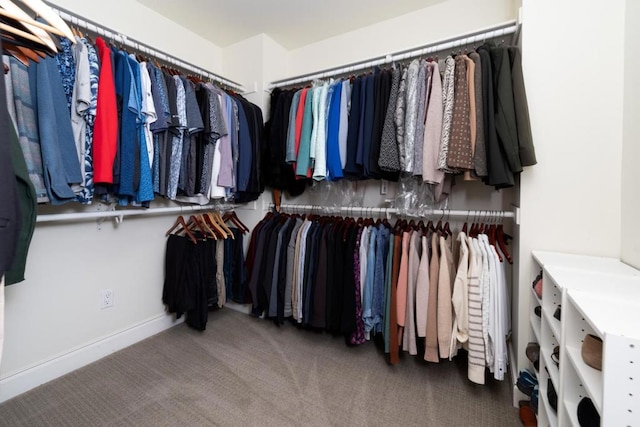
x,y
383,186
106,298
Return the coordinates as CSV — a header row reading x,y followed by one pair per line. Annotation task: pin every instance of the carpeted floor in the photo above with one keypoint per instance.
x,y
244,371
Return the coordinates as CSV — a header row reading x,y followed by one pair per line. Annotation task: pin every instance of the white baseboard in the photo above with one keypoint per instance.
x,y
48,370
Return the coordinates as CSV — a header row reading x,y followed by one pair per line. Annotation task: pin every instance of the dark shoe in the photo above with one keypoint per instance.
x,y
538,311
555,356
533,354
534,399
558,313
588,414
552,395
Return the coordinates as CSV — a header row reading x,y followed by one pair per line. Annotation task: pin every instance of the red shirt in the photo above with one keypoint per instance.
x,y
105,132
299,116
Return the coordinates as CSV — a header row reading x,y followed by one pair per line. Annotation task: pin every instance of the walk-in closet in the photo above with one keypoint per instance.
x,y
339,213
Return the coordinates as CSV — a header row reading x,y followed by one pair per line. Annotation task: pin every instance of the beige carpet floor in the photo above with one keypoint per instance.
x,y
244,371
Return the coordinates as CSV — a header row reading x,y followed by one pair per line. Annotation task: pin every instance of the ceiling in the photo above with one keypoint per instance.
x,y
291,23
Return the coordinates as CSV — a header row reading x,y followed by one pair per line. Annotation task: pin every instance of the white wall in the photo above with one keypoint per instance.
x,y
573,60
631,144
441,20
55,313
137,21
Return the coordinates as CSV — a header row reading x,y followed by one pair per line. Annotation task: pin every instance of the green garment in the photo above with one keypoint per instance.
x,y
28,209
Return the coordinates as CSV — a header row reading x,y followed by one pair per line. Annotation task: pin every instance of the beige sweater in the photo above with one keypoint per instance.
x,y
445,309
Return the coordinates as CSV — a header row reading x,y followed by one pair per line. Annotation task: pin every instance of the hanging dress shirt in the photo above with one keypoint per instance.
x,y
422,290
476,357
389,160
409,337
448,89
433,130
459,154
431,340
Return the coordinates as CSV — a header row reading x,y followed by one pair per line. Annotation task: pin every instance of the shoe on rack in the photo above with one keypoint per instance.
x,y
527,416
592,351
558,313
527,381
534,399
538,311
552,396
533,354
588,414
555,356
537,287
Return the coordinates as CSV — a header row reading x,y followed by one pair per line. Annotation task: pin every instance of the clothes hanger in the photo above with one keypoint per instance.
x,y
180,222
502,244
216,215
231,216
36,30
211,220
15,52
202,218
44,11
26,19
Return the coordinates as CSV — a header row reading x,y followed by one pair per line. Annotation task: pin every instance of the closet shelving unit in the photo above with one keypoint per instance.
x,y
594,292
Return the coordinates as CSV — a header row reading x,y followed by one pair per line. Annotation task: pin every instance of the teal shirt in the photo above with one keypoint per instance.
x,y
303,163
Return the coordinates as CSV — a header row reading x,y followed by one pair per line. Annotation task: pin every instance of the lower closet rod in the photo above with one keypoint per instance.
x,y
361,210
83,216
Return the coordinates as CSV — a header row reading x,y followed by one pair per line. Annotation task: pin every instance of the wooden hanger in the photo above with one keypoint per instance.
x,y
26,19
231,216
15,52
218,218
180,222
41,9
211,220
35,29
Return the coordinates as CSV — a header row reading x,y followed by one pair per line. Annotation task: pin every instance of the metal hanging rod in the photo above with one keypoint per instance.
x,y
120,214
363,211
101,30
506,28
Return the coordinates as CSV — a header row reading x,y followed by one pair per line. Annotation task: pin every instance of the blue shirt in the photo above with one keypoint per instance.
x,y
382,251
334,164
367,309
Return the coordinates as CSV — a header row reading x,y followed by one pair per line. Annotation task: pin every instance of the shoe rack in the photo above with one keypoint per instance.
x,y
572,285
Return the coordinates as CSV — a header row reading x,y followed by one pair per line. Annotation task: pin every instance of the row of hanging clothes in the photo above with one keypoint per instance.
x,y
27,40
97,121
419,288
466,115
204,266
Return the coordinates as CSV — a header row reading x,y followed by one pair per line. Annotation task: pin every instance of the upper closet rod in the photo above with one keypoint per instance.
x,y
361,210
121,38
120,214
506,28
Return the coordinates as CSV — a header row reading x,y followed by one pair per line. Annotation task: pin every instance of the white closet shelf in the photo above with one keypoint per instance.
x,y
591,378
554,324
535,325
551,414
535,296
602,265
611,315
